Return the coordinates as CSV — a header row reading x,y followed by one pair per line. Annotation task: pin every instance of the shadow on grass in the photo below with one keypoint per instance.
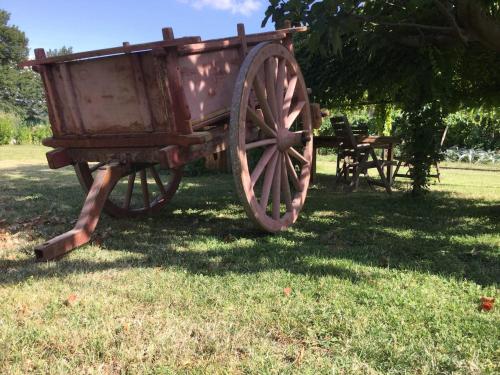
x,y
205,231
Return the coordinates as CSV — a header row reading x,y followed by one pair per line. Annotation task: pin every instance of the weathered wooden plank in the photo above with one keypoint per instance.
x,y
71,100
130,140
111,51
142,92
243,40
235,42
182,115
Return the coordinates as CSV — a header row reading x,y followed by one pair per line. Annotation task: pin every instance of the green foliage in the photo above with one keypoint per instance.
x,y
21,90
39,132
402,55
195,168
13,42
474,129
421,131
13,129
59,51
8,124
23,135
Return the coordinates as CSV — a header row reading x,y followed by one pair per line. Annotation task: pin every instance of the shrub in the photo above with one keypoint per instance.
x,y
23,135
479,129
39,132
8,123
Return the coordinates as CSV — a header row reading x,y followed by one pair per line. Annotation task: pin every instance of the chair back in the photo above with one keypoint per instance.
x,y
345,132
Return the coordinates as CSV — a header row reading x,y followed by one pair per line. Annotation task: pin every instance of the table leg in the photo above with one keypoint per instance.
x,y
313,168
389,159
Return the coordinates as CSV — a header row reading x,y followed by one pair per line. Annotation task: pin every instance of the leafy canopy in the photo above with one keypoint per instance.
x,y
408,52
428,58
20,89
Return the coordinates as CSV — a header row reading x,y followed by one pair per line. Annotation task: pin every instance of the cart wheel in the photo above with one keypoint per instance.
x,y
271,137
124,200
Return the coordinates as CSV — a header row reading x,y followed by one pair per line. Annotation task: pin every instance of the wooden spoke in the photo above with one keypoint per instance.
x,y
262,99
122,205
269,97
144,185
285,187
294,113
264,160
292,83
260,143
130,189
277,190
160,185
280,87
292,174
268,181
257,120
97,166
270,69
297,155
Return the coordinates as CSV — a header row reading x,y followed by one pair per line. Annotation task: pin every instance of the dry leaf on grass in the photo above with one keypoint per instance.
x,y
487,303
71,300
126,327
299,357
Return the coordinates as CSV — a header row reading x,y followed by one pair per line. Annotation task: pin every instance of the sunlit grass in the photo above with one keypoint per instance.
x,y
377,283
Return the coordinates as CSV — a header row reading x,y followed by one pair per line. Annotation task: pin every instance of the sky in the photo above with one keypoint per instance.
x,y
91,24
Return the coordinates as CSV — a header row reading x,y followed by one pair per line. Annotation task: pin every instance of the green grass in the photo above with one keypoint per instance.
x,y
379,284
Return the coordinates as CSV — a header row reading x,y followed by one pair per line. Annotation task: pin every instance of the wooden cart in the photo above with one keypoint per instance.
x,y
135,115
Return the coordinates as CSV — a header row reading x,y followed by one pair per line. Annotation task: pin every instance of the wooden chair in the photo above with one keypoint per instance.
x,y
405,163
352,157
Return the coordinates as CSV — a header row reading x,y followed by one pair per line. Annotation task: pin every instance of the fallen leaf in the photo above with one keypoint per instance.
x,y
487,303
299,357
71,300
22,310
287,291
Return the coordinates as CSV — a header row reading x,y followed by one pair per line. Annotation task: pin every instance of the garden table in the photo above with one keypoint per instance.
x,y
385,143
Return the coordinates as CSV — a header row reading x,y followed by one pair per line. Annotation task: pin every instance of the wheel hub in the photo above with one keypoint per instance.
x,y
287,139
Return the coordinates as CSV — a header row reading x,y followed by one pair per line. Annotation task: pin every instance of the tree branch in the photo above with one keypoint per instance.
x,y
477,22
417,41
443,29
451,20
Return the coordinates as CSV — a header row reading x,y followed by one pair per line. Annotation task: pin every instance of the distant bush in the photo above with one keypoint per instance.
x,y
473,130
39,132
23,135
12,130
8,124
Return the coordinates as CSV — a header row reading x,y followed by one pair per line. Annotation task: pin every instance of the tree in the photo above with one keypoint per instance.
x,y
59,51
21,90
13,42
427,57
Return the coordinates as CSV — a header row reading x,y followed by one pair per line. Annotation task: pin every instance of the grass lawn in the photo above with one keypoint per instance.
x,y
364,283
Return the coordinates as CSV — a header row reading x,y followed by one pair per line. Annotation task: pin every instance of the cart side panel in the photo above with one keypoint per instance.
x,y
208,80
112,95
